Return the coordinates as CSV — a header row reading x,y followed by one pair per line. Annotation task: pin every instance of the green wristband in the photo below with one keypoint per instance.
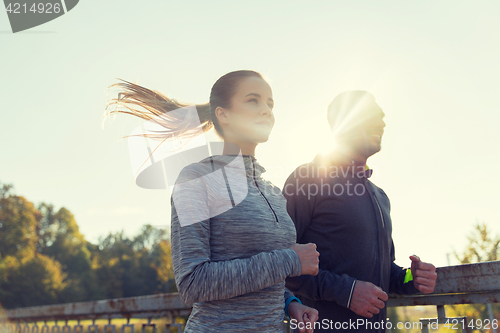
x,y
408,276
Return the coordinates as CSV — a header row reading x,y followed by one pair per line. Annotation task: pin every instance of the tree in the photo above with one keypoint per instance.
x,y
18,223
132,267
149,238
164,267
26,277
38,281
44,259
59,237
482,247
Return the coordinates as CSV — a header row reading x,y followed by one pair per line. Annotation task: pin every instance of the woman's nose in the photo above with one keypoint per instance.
x,y
266,111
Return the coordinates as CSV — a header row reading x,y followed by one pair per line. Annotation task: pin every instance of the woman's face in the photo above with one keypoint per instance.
x,y
250,118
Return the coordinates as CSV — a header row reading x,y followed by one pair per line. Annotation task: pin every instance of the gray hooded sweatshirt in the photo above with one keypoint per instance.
x,y
231,246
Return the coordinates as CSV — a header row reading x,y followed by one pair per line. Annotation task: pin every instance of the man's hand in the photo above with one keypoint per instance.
x,y
367,299
304,315
309,258
424,275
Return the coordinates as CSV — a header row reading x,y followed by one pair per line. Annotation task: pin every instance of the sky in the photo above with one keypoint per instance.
x,y
432,66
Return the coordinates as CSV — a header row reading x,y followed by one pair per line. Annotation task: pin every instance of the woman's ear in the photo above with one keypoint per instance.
x,y
222,115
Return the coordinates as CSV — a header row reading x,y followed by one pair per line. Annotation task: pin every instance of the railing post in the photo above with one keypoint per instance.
x,y
492,317
35,326
55,327
128,325
93,326
174,324
425,327
148,324
66,328
442,319
441,313
78,325
113,327
45,327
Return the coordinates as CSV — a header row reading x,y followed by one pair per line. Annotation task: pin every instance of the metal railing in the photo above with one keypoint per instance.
x,y
167,306
463,284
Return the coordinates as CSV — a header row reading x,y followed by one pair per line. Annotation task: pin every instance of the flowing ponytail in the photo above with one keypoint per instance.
x,y
155,106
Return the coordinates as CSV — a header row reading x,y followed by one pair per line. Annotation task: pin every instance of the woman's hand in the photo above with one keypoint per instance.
x,y
309,258
303,317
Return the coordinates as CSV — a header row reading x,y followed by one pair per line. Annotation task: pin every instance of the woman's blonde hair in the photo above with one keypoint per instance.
x,y
154,106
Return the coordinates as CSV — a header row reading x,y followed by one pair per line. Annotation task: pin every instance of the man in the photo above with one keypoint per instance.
x,y
334,205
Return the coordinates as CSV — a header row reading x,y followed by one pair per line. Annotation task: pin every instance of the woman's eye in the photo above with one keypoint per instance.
x,y
254,100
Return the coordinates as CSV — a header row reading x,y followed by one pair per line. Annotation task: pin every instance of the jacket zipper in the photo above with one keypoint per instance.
x,y
379,241
380,211
258,188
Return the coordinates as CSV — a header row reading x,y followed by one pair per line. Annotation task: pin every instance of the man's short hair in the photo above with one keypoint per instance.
x,y
348,107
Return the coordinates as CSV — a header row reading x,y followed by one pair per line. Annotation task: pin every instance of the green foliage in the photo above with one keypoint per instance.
x,y
18,223
26,278
44,259
37,281
163,265
482,247
59,237
134,261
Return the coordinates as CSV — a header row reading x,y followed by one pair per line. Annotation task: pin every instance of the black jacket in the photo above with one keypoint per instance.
x,y
335,206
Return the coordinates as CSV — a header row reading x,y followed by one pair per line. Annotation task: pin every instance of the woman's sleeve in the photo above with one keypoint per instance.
x,y
198,279
288,294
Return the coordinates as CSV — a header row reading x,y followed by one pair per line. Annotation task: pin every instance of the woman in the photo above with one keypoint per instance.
x,y
233,243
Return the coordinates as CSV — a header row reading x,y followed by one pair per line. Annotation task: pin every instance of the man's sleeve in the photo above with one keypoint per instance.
x,y
326,285
397,284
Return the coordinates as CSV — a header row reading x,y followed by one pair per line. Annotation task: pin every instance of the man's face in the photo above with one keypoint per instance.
x,y
372,130
362,129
